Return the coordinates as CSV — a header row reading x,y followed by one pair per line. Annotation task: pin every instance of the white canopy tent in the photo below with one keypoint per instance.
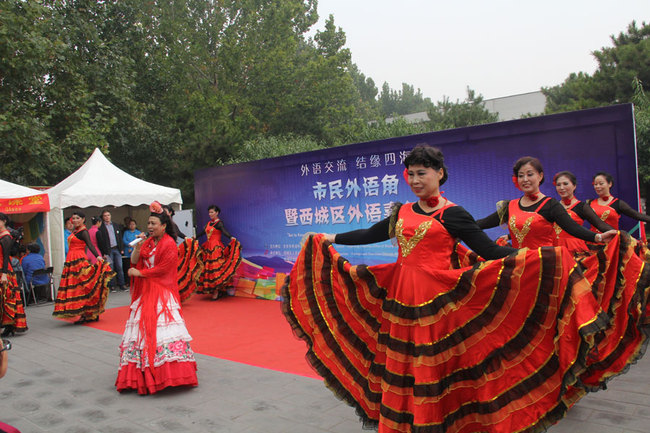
x,y
11,190
98,183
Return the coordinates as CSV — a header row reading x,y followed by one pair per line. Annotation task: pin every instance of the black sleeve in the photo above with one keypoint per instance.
x,y
5,243
85,236
627,210
202,232
493,220
586,212
179,233
553,211
222,228
376,233
460,224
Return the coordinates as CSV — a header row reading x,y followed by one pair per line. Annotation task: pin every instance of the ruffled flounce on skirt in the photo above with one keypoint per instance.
x,y
190,266
12,309
173,364
83,289
500,346
220,264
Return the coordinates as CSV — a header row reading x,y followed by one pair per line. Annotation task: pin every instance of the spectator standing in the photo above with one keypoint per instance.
x,y
110,244
93,231
130,233
67,231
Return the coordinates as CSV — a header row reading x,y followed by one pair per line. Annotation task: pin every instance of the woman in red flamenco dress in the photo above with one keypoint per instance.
x,y
565,184
84,287
155,352
619,278
12,310
219,262
418,346
609,209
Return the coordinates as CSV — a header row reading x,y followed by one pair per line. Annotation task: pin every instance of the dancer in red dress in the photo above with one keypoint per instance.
x,y
609,209
416,346
530,219
190,261
84,287
618,276
12,310
155,351
220,262
565,184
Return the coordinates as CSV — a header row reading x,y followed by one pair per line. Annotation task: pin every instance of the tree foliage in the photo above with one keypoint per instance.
x,y
166,87
622,76
446,114
612,83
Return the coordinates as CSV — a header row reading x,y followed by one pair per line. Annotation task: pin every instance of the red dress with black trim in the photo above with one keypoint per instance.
x,y
563,239
84,287
621,285
12,310
417,346
606,213
529,228
190,266
155,352
219,262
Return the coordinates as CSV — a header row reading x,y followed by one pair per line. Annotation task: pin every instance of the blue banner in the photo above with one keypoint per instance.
x,y
270,204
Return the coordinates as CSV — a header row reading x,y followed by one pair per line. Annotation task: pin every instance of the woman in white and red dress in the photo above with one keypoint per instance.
x,y
417,346
155,351
565,184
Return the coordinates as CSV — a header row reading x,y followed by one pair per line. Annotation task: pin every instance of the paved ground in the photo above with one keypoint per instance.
x,y
61,379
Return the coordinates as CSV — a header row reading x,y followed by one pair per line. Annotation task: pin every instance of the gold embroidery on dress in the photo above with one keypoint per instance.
x,y
407,245
604,216
557,229
520,235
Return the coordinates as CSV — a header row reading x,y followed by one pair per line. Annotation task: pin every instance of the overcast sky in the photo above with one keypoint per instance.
x,y
496,47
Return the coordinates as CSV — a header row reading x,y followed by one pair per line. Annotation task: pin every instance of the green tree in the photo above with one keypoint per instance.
x,y
447,115
612,83
400,102
28,48
642,122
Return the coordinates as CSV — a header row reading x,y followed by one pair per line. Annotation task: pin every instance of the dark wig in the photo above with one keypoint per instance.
x,y
608,177
427,156
169,209
567,174
529,160
79,214
4,218
215,208
165,219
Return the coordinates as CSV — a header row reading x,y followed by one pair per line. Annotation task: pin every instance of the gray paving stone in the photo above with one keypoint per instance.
x,y
61,380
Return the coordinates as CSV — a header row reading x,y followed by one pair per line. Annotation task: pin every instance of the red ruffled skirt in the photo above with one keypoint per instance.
x,y
173,361
12,309
190,266
84,287
220,264
498,348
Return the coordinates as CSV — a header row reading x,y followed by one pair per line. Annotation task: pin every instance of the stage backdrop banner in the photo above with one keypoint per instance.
x,y
270,204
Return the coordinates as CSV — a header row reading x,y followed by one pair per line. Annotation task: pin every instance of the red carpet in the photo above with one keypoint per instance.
x,y
250,331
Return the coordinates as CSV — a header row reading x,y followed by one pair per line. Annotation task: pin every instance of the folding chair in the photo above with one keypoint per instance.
x,y
22,285
50,283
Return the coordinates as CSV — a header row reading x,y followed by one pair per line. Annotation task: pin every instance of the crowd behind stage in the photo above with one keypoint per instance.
x,y
485,335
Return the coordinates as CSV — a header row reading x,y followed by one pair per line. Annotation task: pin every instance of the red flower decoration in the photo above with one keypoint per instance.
x,y
514,181
406,175
155,207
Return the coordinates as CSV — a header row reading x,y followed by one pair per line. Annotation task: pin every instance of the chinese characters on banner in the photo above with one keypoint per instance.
x,y
377,190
